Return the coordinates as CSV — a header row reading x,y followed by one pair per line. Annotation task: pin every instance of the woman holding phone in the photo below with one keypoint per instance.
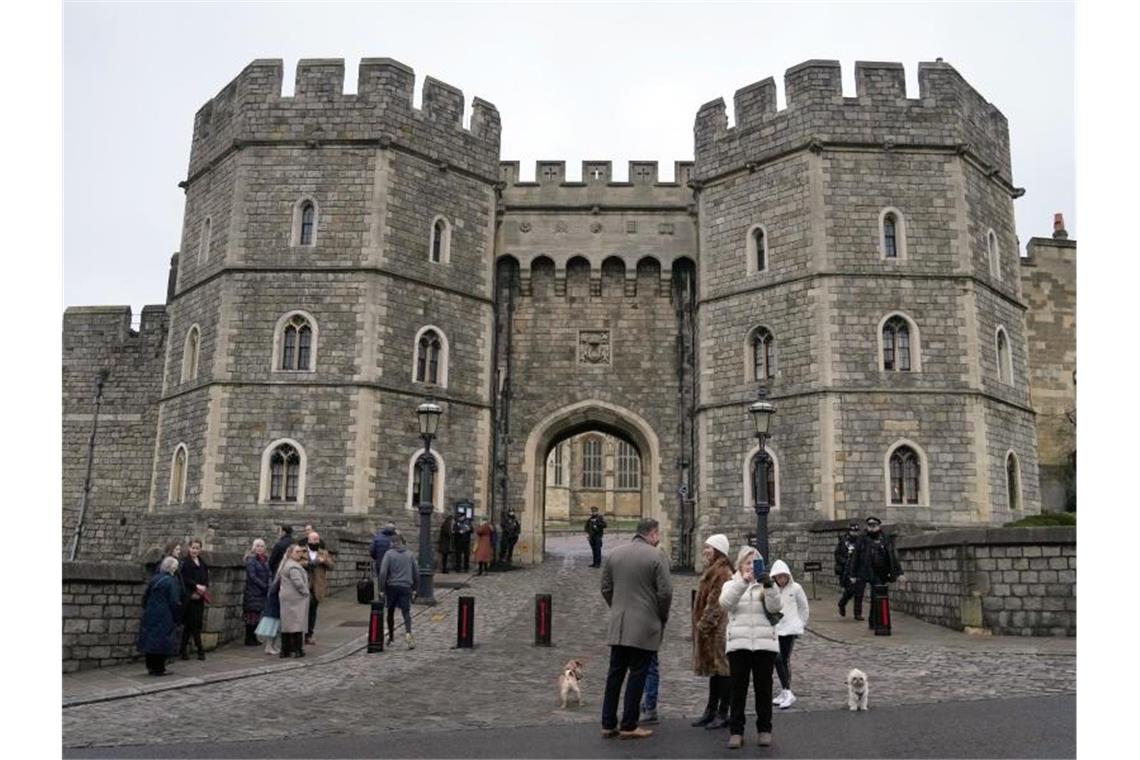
x,y
753,605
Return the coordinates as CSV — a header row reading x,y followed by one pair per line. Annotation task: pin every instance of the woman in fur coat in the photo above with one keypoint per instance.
x,y
709,620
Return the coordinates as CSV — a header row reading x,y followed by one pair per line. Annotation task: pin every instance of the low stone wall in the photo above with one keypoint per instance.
x,y
102,605
1012,581
102,601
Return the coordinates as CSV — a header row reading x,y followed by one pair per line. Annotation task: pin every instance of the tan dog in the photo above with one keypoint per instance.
x,y
569,681
857,690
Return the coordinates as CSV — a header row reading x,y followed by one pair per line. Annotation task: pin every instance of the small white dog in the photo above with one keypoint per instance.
x,y
857,690
569,681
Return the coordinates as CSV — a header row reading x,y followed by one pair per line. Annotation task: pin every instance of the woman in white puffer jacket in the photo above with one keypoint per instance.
x,y
791,625
751,644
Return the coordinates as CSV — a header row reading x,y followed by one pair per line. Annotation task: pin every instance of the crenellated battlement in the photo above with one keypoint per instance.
x,y
252,108
597,186
947,112
101,328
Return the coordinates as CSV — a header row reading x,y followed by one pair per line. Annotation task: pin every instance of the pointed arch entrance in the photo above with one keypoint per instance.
x,y
569,421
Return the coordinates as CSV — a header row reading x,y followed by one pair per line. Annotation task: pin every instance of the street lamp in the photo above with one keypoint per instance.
x,y
761,411
100,379
428,413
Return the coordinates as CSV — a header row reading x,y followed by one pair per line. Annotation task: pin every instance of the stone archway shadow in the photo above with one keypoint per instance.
x,y
591,414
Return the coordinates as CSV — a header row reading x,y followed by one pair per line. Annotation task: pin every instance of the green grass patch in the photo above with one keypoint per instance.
x,y
1044,520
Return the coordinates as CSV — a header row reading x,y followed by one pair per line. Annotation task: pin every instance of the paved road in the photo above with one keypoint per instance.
x,y
506,680
1042,727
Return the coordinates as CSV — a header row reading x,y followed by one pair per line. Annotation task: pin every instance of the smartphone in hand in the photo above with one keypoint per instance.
x,y
757,568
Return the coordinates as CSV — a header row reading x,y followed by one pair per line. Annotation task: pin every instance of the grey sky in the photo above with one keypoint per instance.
x,y
572,82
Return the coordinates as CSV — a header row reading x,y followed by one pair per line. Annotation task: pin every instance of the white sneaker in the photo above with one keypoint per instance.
x,y
411,642
780,697
788,700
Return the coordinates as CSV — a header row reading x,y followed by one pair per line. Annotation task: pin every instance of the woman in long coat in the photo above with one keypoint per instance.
x,y
708,623
294,596
158,630
195,587
484,551
257,578
446,543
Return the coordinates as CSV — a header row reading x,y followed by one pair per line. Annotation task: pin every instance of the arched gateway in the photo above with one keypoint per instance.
x,y
570,420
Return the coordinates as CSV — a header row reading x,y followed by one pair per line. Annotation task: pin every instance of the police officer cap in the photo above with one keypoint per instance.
x,y
853,526
874,521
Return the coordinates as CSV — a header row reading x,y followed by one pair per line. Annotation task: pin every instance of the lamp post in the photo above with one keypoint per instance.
x,y
761,411
428,413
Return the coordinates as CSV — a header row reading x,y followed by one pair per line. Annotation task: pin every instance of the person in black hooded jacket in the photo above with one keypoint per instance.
x,y
284,541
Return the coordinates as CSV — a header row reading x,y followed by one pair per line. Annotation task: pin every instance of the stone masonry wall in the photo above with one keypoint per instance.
x,y
99,339
1049,283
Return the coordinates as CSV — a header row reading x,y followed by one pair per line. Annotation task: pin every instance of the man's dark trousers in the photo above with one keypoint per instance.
x,y
623,659
313,604
596,548
854,589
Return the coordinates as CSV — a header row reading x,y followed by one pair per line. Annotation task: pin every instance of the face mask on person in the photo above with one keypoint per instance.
x,y
314,547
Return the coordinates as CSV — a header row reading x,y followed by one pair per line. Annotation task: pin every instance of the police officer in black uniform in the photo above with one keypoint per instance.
x,y
509,530
875,560
595,527
844,551
461,536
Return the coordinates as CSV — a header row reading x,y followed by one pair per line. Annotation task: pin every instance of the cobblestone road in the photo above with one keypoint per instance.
x,y
507,681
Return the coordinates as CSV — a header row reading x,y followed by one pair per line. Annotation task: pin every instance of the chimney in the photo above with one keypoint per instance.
x,y
1059,231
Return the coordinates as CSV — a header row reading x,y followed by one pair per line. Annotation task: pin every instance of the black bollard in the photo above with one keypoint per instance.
x,y
376,628
880,618
465,634
542,618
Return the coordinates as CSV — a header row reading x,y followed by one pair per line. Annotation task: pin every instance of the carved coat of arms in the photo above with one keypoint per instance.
x,y
594,346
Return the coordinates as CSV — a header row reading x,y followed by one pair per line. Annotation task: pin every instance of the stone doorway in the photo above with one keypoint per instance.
x,y
586,429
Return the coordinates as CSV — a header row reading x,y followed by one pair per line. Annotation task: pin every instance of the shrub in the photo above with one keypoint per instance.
x,y
1044,519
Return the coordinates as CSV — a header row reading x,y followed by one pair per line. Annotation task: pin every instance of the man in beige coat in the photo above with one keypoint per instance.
x,y
637,587
317,561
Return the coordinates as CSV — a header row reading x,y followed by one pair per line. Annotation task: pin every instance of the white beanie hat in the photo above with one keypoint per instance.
x,y
718,541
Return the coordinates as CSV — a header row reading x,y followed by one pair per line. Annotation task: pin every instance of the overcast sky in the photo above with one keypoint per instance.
x,y
571,81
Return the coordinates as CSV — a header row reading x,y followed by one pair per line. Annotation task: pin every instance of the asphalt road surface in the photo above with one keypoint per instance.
x,y
1036,727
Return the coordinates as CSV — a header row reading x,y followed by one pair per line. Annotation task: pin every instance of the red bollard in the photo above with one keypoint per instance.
x,y
465,633
376,628
880,610
542,618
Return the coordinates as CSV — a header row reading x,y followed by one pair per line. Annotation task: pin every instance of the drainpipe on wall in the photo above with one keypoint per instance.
x,y
99,380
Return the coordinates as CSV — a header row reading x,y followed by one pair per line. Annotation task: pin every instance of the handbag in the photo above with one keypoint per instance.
x,y
773,617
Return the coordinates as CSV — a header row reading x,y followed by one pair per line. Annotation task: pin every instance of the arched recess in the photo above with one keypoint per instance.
x,y
542,277
578,277
570,420
613,278
648,277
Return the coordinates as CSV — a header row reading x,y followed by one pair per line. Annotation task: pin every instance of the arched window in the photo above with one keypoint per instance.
x,y
892,235
190,355
1013,481
772,480
430,357
439,246
905,475
284,473
204,241
427,363
592,463
763,348
297,344
308,222
1005,365
628,467
994,254
756,245
896,345
305,222
556,465
438,467
417,479
178,463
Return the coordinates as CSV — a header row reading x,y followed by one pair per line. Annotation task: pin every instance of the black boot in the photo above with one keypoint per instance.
x,y
706,717
286,645
250,638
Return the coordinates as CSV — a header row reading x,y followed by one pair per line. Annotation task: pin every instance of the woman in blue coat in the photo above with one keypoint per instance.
x,y
158,630
257,578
